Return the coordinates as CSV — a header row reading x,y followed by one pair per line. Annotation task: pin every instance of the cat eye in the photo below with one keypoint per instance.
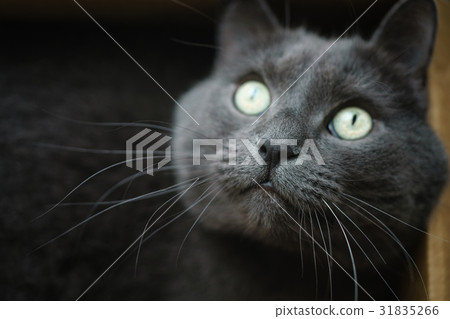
x,y
252,98
351,123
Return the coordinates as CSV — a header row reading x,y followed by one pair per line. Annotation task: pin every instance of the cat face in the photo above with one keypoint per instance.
x,y
363,104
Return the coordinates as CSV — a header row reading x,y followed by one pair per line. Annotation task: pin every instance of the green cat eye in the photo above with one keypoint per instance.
x,y
351,123
252,98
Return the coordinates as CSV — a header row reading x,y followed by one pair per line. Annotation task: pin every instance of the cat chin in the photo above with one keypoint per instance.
x,y
253,215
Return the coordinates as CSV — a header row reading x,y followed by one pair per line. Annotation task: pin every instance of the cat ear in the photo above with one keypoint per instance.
x,y
243,21
407,33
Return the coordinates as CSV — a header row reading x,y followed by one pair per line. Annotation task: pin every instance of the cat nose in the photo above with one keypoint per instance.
x,y
272,153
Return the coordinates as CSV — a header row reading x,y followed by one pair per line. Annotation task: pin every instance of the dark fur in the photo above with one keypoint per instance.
x,y
399,168
245,247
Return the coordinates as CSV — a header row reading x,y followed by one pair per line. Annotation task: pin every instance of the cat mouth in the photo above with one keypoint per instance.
x,y
268,187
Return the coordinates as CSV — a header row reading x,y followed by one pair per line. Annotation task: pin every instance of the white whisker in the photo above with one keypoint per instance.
x,y
314,253
368,258
300,243
134,60
327,255
312,238
397,219
364,234
132,244
120,203
103,151
391,234
199,199
198,219
355,275
204,15
147,226
196,44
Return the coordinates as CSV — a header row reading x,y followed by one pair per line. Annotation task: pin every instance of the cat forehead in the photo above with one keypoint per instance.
x,y
290,51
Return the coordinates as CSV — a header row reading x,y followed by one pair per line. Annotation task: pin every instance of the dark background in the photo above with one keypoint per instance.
x,y
58,68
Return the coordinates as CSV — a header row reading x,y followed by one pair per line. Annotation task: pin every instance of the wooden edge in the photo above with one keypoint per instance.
x,y
437,267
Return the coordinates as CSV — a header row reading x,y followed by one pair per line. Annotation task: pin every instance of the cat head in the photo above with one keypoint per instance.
x,y
360,104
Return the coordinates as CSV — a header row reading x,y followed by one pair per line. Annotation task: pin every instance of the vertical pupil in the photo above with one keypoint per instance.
x,y
354,119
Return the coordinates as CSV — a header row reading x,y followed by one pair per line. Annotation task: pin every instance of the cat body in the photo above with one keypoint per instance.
x,y
343,207
342,229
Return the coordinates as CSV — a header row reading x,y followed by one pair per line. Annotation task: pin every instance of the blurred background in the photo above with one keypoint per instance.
x,y
59,71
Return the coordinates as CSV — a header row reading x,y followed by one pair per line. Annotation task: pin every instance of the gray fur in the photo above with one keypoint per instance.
x,y
400,167
244,247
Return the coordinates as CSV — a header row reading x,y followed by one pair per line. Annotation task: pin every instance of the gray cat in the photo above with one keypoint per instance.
x,y
344,222
343,230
